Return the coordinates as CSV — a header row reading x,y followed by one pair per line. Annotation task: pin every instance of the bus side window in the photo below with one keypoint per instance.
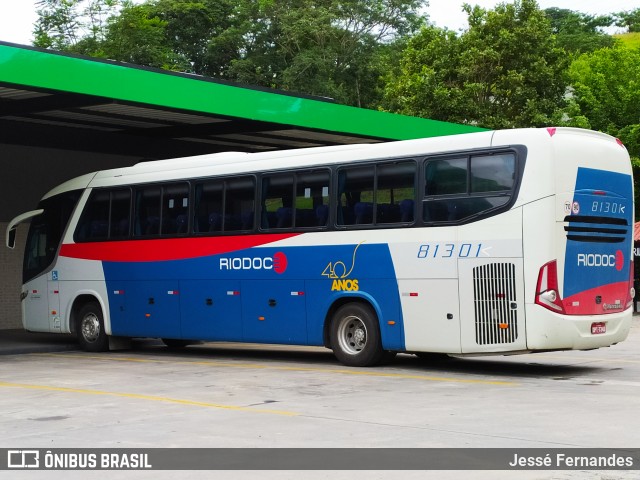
x,y
175,209
445,181
94,224
395,192
277,201
312,199
119,220
147,212
459,188
208,207
239,204
494,173
355,195
374,195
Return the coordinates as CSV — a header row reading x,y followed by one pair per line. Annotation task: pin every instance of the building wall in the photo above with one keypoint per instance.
x,y
11,279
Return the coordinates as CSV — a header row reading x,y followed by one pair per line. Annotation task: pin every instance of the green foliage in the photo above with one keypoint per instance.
x,y
138,36
62,24
629,19
606,88
326,47
630,40
505,71
579,32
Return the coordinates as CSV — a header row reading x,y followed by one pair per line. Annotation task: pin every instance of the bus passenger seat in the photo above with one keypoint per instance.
x,y
363,212
284,216
406,210
322,215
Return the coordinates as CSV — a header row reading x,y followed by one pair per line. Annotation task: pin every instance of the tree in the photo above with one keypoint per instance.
x,y
138,36
629,19
606,90
505,71
579,32
327,47
62,24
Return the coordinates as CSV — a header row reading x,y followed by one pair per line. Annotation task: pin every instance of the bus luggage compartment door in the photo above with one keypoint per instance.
x,y
151,309
274,311
491,305
211,310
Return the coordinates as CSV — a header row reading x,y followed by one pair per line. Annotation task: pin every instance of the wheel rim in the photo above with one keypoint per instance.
x,y
352,335
90,327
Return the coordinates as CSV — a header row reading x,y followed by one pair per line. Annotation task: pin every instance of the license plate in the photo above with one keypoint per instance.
x,y
598,328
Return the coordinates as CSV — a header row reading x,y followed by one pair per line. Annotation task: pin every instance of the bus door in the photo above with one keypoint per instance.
x,y
53,297
35,305
491,304
39,300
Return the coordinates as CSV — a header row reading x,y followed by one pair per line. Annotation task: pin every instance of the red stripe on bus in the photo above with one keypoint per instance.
x,y
167,249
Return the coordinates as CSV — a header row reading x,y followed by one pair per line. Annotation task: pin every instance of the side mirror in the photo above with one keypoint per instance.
x,y
13,226
11,237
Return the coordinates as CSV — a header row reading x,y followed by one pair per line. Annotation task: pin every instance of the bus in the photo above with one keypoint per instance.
x,y
498,242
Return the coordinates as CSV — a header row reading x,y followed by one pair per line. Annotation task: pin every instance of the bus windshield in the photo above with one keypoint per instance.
x,y
45,233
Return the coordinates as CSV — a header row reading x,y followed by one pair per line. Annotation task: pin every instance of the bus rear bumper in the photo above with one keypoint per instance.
x,y
547,330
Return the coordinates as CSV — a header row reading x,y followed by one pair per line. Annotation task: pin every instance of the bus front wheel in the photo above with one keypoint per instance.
x,y
90,328
355,336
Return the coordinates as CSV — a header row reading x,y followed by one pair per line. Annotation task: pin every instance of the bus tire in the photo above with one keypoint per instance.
x,y
355,336
90,328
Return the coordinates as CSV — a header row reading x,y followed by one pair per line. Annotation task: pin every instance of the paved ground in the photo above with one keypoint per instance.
x,y
13,342
230,395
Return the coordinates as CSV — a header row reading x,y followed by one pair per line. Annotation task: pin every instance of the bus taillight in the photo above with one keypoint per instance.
x,y
547,292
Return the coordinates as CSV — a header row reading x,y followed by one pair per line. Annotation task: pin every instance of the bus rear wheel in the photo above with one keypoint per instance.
x,y
355,336
90,328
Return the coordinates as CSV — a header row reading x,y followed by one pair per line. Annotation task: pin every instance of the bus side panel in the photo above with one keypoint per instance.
x,y
211,310
274,311
80,278
151,309
433,307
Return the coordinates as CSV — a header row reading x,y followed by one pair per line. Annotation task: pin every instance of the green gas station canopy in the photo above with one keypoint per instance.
x,y
54,100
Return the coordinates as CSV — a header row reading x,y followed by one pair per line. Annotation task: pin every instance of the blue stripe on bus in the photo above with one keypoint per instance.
x,y
263,295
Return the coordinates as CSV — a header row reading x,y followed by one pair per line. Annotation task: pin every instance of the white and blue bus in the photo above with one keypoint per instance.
x,y
497,242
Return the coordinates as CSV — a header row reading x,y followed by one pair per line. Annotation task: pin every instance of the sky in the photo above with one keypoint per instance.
x,y
18,16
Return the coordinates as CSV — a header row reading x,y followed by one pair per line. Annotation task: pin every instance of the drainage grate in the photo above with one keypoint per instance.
x,y
494,297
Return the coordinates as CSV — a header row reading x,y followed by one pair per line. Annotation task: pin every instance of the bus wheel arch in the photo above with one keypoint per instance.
x,y
88,324
352,331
